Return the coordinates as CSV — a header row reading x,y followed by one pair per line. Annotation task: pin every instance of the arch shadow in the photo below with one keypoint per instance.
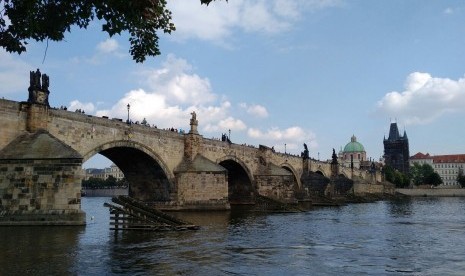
x,y
148,176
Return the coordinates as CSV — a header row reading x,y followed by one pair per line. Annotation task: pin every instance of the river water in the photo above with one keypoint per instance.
x,y
418,236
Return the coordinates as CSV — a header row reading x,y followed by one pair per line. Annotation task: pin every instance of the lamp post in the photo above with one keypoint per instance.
x,y
128,106
318,156
285,152
229,134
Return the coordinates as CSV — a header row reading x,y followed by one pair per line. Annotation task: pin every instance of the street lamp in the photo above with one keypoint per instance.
x,y
318,156
229,134
128,106
285,148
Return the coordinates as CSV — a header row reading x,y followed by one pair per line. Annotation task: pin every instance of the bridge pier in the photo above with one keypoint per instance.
x,y
40,182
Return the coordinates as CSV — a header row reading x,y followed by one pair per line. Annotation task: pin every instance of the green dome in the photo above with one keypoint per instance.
x,y
354,146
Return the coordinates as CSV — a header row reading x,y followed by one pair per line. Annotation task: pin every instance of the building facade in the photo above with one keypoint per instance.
x,y
447,166
353,154
396,150
104,173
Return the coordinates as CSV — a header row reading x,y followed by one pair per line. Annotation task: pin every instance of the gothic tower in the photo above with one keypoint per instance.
x,y
396,150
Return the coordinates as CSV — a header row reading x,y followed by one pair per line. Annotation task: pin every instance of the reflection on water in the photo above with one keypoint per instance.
x,y
419,236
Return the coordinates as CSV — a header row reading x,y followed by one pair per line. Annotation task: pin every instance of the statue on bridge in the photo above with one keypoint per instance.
x,y
305,154
334,157
38,92
194,123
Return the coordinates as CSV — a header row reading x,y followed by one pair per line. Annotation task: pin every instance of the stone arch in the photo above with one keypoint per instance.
x,y
291,169
241,187
240,162
149,178
129,144
319,171
343,173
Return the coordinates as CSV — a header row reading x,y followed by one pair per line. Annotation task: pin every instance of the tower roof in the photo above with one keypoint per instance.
x,y
394,133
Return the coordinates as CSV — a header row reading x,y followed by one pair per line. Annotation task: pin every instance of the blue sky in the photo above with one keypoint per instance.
x,y
274,72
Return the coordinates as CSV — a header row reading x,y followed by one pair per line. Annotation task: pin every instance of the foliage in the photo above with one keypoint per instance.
x,y
461,178
424,174
41,20
394,176
98,183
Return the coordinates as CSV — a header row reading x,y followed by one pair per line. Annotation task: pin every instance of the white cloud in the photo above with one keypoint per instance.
x,y
217,21
178,84
170,94
86,107
108,46
13,74
255,110
289,139
424,99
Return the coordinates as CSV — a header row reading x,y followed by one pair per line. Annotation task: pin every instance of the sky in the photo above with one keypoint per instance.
x,y
274,72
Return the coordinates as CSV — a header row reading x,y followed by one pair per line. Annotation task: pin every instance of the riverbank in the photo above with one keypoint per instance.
x,y
105,192
435,192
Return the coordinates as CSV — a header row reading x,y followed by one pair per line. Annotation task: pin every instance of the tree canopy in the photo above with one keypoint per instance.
x,y
461,178
424,174
41,20
394,176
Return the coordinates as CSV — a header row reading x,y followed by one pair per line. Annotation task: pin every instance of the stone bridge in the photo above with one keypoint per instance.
x,y
42,150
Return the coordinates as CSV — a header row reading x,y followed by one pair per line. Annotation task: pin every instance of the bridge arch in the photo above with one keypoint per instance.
x,y
291,169
149,178
241,189
320,171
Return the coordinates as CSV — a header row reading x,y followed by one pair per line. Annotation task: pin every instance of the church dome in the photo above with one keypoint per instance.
x,y
354,146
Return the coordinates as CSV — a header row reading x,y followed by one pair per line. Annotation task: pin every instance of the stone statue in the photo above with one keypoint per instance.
x,y
194,123
334,157
305,153
38,93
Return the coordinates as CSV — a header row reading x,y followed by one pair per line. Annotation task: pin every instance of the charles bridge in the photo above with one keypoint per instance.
x,y
42,150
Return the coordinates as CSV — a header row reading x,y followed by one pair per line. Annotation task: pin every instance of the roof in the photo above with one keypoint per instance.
x,y
394,133
199,164
453,158
354,146
38,145
420,155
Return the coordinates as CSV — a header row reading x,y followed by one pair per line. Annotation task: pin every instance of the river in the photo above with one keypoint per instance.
x,y
418,236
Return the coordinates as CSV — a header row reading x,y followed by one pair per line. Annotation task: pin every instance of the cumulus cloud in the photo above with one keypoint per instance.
x,y
424,99
86,107
168,96
293,137
177,83
255,110
217,21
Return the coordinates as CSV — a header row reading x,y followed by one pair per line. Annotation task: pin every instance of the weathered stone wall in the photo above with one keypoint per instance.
x,y
378,188
202,190
40,190
13,121
279,187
